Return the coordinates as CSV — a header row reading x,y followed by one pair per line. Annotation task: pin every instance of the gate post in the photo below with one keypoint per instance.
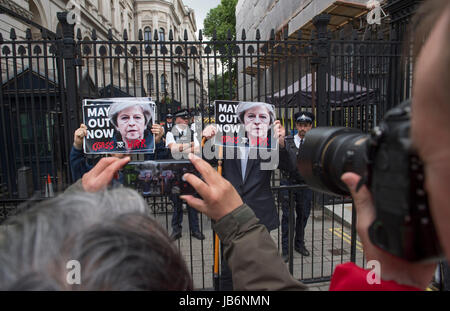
x,y
321,22
68,54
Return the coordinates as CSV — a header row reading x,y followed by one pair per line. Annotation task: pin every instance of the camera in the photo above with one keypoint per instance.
x,y
392,170
156,178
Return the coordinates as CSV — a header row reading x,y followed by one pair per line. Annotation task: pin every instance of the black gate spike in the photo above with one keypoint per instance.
x,y
110,34
155,35
341,34
229,35
200,35
258,35
272,34
94,34
380,34
299,35
125,35
1,38
28,34
214,37
185,35
286,35
12,34
140,36
44,34
79,37
170,35
243,37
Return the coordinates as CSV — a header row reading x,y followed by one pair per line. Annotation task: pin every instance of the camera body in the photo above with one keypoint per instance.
x,y
392,170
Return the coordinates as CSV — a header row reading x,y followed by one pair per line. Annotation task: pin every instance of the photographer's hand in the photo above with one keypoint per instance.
x,y
392,268
102,174
219,196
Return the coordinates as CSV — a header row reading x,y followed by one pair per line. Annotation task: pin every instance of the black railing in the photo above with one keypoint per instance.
x,y
346,82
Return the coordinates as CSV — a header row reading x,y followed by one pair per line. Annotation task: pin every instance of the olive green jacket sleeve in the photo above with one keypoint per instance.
x,y
75,187
252,254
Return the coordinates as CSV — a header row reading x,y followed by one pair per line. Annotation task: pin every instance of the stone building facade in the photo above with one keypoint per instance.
x,y
120,15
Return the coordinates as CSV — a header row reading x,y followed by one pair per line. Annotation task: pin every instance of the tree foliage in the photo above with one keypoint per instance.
x,y
222,18
219,88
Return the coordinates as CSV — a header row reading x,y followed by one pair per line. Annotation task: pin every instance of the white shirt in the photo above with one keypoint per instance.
x,y
170,139
297,140
244,159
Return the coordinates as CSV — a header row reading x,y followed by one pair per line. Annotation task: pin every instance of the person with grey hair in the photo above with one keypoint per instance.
x,y
130,120
257,118
107,232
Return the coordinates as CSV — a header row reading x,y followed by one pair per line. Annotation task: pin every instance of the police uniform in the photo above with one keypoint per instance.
x,y
302,197
182,135
168,126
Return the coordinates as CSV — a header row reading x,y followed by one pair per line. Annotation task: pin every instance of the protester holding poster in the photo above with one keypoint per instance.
x,y
244,167
79,164
130,120
111,126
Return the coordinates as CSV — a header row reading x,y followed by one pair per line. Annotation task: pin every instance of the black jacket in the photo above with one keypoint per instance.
x,y
290,172
255,188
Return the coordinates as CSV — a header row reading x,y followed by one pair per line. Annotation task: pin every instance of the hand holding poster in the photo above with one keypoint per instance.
x,y
245,124
118,125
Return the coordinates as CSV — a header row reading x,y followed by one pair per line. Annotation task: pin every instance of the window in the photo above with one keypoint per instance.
x,y
163,83
147,34
150,86
122,22
112,12
161,34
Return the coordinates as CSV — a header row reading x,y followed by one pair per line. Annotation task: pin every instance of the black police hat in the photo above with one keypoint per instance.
x,y
183,113
169,115
304,117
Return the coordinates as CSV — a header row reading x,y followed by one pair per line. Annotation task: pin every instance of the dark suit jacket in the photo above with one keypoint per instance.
x,y
255,188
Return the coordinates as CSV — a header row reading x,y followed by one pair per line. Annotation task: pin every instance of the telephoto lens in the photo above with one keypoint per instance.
x,y
392,170
327,153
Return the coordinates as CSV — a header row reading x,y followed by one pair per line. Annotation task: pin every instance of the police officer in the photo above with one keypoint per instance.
x,y
181,139
303,197
169,122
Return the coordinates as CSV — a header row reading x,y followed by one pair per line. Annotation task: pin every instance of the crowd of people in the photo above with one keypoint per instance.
x,y
106,228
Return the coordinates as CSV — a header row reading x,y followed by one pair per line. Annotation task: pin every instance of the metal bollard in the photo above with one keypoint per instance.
x,y
25,182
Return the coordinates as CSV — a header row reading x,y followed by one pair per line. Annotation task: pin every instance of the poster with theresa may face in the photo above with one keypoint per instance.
x,y
245,124
119,125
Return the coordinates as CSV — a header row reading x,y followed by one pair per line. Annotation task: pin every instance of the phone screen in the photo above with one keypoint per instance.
x,y
157,178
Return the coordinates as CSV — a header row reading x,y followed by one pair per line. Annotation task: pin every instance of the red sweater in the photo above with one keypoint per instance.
x,y
350,277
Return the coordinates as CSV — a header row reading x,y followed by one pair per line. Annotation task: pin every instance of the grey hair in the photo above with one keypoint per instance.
x,y
118,106
99,230
244,106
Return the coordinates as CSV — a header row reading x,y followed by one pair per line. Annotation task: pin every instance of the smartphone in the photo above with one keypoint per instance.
x,y
157,178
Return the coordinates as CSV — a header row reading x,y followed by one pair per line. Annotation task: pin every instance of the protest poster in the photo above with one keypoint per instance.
x,y
119,125
245,124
